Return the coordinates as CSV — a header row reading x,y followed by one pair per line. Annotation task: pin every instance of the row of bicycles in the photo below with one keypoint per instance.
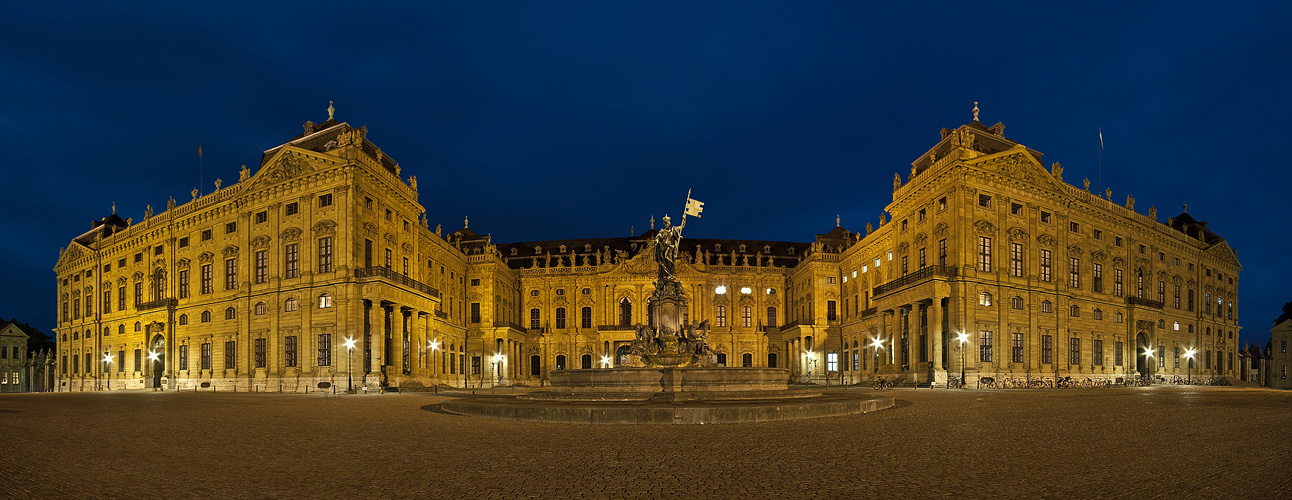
x,y
1066,382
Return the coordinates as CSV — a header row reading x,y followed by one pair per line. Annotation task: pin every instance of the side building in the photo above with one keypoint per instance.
x,y
991,266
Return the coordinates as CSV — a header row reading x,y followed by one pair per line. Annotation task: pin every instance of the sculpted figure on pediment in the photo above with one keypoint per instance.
x,y
1074,251
261,241
230,251
291,234
984,227
1046,240
205,257
324,228
1017,234
939,231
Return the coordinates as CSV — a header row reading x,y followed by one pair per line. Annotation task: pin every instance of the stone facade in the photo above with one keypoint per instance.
x,y
1279,360
256,286
13,356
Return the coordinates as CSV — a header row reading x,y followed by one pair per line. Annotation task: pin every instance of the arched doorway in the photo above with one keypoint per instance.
x,y
771,360
1141,354
157,359
621,354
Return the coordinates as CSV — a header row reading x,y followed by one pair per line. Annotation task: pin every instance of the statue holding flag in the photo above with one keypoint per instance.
x,y
668,239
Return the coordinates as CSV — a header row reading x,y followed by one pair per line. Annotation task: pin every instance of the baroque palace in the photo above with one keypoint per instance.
x,y
319,271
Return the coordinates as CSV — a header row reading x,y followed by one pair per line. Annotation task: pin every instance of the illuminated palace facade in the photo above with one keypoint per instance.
x,y
319,271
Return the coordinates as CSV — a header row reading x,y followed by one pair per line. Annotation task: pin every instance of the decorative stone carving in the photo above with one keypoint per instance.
x,y
369,229
121,281
1017,234
324,228
205,257
1097,256
182,264
261,241
230,251
921,238
902,248
1074,251
390,238
940,231
291,234
407,247
1118,261
1047,240
983,227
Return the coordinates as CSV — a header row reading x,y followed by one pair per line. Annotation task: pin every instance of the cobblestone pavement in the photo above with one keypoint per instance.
x,y
1157,442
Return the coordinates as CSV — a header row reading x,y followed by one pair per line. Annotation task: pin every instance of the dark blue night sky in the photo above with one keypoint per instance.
x,y
540,120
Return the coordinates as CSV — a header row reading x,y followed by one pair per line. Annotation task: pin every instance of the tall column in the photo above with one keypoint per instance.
x,y
935,328
883,335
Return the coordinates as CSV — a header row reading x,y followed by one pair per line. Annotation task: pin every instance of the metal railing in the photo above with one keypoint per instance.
x,y
1133,300
390,275
441,314
798,322
509,324
616,328
869,312
915,277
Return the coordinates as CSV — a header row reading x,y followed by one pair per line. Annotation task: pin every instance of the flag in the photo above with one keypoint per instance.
x,y
694,207
1101,137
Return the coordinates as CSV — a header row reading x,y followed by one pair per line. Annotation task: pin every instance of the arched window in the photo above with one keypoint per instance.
x,y
1046,306
206,316
560,361
230,313
183,319
290,304
139,327
984,299
261,309
1017,302
722,359
325,301
1161,324
535,319
1118,316
1074,311
1177,326
771,317
747,360
76,334
121,329
625,312
585,362
1097,314
107,330
621,354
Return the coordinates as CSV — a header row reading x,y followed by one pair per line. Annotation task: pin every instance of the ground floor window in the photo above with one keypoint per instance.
x,y
1047,349
585,362
1117,356
771,360
747,360
535,365
560,362
722,359
832,361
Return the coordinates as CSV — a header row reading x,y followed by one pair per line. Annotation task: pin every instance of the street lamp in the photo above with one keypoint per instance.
x,y
1148,353
153,358
497,367
1189,354
107,360
605,362
811,361
349,364
877,345
962,337
434,345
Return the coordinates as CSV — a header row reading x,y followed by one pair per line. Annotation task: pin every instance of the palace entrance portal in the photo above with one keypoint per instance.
x,y
1141,355
156,360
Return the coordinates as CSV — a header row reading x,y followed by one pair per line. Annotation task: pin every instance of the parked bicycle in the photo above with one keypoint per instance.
x,y
882,384
955,383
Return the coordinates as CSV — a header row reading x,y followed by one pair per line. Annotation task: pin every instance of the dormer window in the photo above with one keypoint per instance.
x,y
562,248
742,248
514,251
587,247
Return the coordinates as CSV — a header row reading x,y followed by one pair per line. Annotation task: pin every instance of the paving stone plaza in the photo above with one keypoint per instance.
x,y
1154,442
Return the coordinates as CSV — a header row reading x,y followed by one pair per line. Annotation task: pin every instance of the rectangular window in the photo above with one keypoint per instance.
x,y
1016,347
832,362
1190,302
230,355
1161,356
183,357
535,319
231,227
1047,349
1074,351
107,301
291,261
230,274
984,347
475,312
747,316
325,255
291,208
183,242
1099,235
325,200
984,254
830,310
560,318
389,257
405,266
260,353
206,356
904,268
923,261
121,301
139,293
206,235
984,200
721,317
1097,357
1177,356
1016,209
585,319
1074,272
475,361
1207,360
139,360
262,266
942,203
325,349
1016,259
1098,283
183,283
262,217
1117,282
1045,265
1117,353
1161,291
1045,217
942,252
289,351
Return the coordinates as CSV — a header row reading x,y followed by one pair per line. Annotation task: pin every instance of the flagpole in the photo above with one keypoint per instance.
x,y
201,170
1101,159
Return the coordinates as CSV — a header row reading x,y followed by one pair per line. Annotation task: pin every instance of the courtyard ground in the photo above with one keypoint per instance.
x,y
1154,442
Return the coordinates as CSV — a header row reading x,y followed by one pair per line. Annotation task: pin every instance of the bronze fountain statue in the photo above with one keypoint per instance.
x,y
666,340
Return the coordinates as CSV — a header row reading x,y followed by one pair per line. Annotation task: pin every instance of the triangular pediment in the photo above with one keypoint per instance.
x,y
1224,252
1017,163
286,164
74,251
